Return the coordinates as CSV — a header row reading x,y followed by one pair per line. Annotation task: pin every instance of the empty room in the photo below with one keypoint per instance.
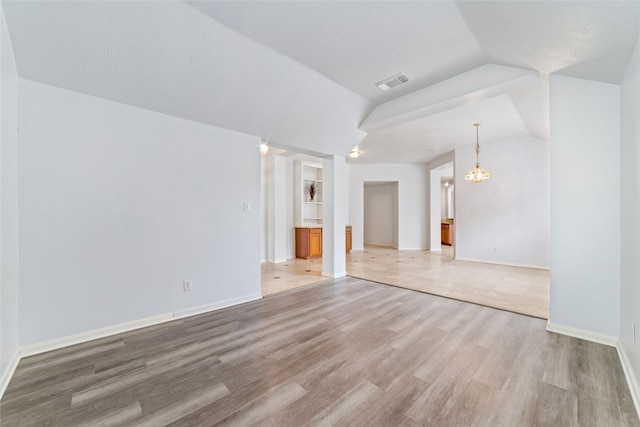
x,y
458,183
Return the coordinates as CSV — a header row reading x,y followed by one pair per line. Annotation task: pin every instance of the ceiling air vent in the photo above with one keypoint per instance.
x,y
392,81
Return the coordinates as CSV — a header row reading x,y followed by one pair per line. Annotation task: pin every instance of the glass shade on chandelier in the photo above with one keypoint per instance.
x,y
477,174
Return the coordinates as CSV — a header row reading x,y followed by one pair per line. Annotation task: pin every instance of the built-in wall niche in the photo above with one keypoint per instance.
x,y
308,180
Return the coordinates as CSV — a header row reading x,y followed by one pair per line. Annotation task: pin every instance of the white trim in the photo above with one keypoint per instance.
x,y
216,306
510,264
334,276
42,347
8,373
582,334
413,249
632,379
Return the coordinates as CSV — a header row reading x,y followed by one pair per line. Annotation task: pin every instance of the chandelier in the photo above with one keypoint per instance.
x,y
477,174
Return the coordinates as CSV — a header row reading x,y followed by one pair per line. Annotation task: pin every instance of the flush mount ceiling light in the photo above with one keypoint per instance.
x,y
393,81
355,153
477,174
264,147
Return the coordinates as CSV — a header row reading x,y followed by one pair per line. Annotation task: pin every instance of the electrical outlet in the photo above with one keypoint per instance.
x,y
186,285
495,250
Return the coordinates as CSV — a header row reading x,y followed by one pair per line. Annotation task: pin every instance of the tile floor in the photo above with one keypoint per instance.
x,y
517,289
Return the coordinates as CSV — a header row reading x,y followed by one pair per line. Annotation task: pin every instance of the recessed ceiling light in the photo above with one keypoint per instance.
x,y
264,147
422,151
393,81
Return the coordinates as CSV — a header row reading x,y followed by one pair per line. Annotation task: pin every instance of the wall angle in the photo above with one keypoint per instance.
x,y
464,89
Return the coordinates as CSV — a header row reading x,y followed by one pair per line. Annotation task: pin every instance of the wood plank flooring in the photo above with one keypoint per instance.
x,y
345,352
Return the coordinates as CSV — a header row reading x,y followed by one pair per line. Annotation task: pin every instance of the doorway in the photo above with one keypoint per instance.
x,y
442,208
381,214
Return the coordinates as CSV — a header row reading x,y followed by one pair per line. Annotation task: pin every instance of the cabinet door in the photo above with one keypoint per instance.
x,y
315,242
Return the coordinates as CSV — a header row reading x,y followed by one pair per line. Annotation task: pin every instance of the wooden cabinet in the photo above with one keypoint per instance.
x,y
308,242
446,233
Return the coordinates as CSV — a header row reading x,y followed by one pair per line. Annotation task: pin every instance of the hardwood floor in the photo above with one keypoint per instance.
x,y
344,352
517,289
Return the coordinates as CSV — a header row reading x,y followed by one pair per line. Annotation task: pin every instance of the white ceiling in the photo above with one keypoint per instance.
x,y
302,74
360,43
430,137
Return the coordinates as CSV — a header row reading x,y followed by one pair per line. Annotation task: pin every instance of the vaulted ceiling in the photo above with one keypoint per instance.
x,y
302,74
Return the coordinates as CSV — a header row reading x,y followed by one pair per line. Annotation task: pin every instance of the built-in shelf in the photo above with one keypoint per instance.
x,y
307,212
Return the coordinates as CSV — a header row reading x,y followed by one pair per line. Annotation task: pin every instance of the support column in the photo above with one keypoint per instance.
x,y
277,214
334,211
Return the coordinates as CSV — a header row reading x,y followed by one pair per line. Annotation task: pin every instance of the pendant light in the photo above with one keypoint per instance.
x,y
477,174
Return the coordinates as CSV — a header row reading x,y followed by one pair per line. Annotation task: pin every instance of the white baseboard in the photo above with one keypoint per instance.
x,y
334,276
630,374
510,264
582,334
42,347
216,306
8,373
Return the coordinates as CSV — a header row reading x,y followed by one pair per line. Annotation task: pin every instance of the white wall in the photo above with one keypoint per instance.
x,y
413,193
274,214
9,206
290,206
265,179
118,205
449,200
505,219
630,215
381,214
585,204
335,206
